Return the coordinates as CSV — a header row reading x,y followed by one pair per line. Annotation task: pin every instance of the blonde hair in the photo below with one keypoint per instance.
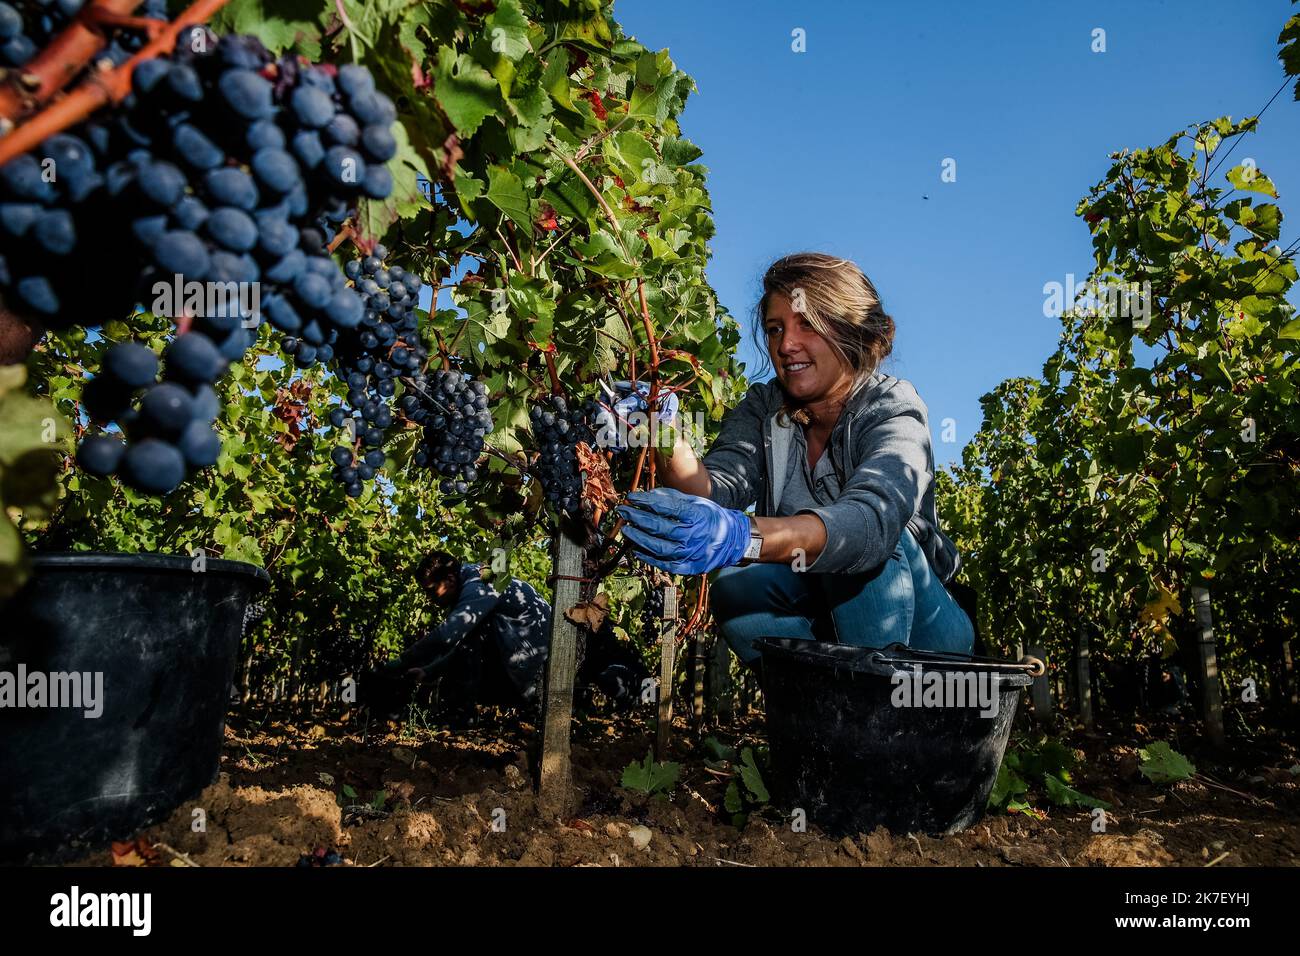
x,y
839,302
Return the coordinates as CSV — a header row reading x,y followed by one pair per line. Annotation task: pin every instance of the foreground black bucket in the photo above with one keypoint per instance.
x,y
857,740
165,639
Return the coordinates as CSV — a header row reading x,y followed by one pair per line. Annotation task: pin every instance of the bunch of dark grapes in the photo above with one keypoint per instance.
x,y
558,429
170,427
319,857
652,612
221,162
28,26
382,350
453,409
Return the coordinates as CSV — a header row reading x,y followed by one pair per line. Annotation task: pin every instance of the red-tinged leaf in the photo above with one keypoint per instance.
x,y
590,614
598,484
419,79
137,852
451,155
546,221
597,105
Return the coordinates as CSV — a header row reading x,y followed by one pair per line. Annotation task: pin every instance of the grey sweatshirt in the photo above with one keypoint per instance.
x,y
883,477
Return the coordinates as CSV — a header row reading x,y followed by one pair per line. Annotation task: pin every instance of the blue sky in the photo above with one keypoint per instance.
x,y
833,149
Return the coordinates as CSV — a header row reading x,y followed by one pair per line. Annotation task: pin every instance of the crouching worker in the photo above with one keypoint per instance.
x,y
835,458
489,649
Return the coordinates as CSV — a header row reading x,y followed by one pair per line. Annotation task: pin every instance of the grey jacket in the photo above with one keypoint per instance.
x,y
884,469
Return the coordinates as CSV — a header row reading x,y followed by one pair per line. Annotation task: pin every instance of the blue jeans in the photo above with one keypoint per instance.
x,y
900,601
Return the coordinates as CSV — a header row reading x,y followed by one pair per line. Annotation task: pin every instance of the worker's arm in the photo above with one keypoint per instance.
x,y
477,600
682,470
797,540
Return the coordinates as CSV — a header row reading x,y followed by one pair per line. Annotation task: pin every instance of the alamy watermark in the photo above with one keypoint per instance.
x,y
218,300
1116,300
129,910
640,429
949,688
75,690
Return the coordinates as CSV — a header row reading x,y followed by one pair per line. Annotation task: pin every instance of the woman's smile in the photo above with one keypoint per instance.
x,y
805,363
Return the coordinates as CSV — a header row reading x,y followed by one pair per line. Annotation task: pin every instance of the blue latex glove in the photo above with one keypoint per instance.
x,y
684,534
613,418
638,400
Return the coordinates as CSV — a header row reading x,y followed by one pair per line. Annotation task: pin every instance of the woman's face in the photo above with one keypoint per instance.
x,y
806,365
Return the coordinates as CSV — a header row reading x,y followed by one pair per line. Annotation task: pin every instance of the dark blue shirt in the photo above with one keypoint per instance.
x,y
515,621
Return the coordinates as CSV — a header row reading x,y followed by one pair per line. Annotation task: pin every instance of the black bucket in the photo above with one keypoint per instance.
x,y
165,636
854,750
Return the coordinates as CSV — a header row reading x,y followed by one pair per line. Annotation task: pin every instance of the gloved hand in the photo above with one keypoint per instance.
x,y
684,534
612,419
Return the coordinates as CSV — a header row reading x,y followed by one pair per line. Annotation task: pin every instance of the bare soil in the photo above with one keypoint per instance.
x,y
433,797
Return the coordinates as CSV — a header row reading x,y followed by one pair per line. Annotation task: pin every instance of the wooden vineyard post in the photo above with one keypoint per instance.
x,y
1288,676
1083,679
721,691
1211,693
1040,691
555,784
243,680
667,657
697,678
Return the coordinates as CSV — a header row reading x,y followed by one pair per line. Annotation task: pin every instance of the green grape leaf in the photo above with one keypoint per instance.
x,y
1162,764
280,24
1250,179
245,549
506,192
1063,795
571,198
750,774
718,750
650,776
731,801
1008,785
507,29
467,93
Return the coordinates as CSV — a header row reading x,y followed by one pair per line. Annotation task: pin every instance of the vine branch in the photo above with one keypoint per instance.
x,y
100,90
65,57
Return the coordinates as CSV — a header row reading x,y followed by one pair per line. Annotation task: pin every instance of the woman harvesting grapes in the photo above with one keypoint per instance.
x,y
844,544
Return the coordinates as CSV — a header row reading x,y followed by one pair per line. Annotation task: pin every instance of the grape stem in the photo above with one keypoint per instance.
x,y
519,266
701,603
100,90
653,399
442,351
548,356
345,233
65,57
547,251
